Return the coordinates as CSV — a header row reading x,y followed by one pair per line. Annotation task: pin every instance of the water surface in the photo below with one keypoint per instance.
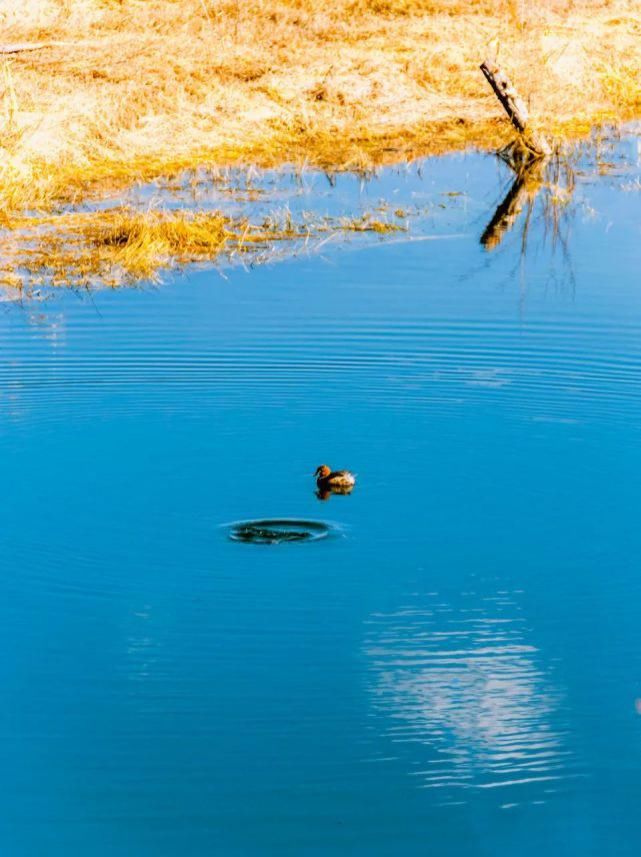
x,y
455,671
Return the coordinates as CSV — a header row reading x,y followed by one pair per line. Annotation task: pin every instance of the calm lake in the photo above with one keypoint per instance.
x,y
456,668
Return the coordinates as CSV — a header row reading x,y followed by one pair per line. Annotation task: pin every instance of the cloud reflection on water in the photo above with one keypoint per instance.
x,y
465,690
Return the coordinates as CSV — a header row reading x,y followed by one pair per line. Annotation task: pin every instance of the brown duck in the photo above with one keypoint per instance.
x,y
334,481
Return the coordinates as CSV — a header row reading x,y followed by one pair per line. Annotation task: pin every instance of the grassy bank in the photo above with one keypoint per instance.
x,y
100,94
120,90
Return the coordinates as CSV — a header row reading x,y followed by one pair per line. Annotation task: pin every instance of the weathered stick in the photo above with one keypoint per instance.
x,y
19,47
515,108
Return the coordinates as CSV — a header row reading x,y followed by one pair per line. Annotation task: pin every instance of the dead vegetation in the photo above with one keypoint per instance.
x,y
97,95
123,90
121,246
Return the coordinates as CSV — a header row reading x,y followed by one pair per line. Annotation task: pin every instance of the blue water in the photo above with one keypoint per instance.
x,y
456,669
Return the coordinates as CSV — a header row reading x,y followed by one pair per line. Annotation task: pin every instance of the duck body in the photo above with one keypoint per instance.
x,y
334,480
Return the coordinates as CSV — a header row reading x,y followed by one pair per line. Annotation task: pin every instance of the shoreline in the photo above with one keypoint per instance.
x,y
347,85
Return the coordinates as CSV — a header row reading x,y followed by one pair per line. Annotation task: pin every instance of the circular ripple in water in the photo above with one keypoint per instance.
x,y
273,531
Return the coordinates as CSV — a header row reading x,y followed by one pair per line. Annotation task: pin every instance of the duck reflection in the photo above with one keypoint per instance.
x,y
325,492
462,688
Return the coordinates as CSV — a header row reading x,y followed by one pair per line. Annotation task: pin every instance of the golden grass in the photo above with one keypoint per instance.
x,y
122,246
130,89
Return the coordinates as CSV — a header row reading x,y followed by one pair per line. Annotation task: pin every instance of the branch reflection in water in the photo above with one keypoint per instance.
x,y
551,182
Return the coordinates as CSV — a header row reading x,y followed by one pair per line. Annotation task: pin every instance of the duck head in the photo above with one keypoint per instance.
x,y
322,472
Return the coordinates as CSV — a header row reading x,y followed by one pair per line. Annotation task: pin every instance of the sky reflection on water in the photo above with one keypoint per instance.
x,y
459,671
464,683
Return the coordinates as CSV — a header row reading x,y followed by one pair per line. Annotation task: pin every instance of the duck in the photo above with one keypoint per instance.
x,y
337,481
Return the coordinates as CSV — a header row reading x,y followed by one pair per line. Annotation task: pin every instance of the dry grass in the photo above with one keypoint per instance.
x,y
121,246
130,89
120,91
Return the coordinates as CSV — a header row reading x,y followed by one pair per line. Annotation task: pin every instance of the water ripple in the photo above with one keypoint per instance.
x,y
275,531
540,371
